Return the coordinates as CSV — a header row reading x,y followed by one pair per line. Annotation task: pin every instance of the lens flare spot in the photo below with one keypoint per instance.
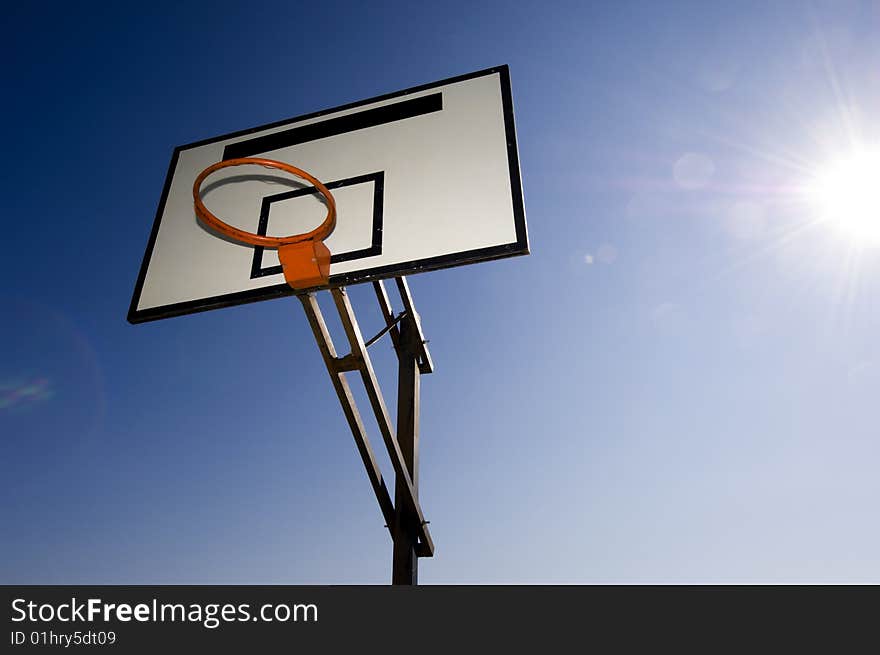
x,y
23,393
693,171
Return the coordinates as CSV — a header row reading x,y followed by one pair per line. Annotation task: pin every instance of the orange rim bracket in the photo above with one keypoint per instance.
x,y
304,258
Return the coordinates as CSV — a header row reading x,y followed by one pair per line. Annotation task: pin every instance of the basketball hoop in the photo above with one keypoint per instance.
x,y
304,257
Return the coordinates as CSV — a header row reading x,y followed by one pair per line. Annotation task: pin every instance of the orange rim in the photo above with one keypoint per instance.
x,y
319,233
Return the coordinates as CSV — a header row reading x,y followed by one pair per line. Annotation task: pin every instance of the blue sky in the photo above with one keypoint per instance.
x,y
678,385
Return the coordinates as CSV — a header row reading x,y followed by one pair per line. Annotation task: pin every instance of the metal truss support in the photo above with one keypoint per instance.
x,y
403,517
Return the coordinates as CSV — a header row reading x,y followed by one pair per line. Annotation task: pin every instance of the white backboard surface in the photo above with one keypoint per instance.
x,y
423,179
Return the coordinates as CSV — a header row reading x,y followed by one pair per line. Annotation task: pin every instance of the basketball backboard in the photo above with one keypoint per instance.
x,y
424,178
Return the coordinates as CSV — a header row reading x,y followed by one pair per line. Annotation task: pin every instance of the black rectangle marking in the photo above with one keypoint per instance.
x,y
335,126
378,180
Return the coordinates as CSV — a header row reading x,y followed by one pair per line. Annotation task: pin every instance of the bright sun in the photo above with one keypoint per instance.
x,y
847,194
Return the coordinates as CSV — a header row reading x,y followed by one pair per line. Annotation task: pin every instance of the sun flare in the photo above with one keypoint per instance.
x,y
847,194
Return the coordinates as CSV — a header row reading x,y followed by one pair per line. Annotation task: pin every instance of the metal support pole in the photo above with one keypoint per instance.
x,y
405,570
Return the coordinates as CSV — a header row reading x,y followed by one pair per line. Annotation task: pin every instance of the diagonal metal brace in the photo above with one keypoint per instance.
x,y
349,407
426,365
425,546
392,325
360,357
